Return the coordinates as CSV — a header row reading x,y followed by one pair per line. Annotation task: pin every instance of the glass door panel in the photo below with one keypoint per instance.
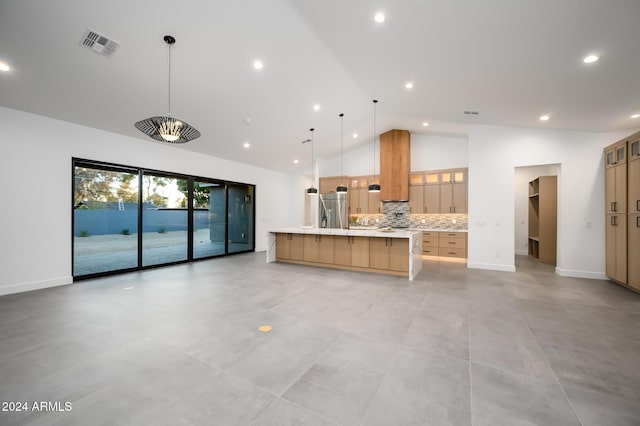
x,y
164,219
240,222
105,219
209,219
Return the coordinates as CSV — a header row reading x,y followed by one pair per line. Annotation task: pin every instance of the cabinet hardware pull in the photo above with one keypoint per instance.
x,y
451,235
638,205
451,242
614,220
638,222
613,206
451,252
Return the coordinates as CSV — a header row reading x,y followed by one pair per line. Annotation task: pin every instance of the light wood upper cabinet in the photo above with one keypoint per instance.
x,y
453,191
615,154
633,201
329,184
622,198
424,198
395,163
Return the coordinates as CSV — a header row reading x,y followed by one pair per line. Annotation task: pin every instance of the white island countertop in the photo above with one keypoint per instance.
x,y
360,232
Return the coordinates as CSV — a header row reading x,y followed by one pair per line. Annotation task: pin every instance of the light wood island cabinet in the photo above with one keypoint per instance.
x,y
395,253
351,251
289,246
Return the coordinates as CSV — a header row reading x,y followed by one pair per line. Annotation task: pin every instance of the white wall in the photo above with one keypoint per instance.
x,y
438,152
524,175
35,169
428,152
495,152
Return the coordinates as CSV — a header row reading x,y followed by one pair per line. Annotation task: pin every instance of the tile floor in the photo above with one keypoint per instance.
x,y
180,345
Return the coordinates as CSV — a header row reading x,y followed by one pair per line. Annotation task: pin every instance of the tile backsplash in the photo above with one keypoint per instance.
x,y
396,215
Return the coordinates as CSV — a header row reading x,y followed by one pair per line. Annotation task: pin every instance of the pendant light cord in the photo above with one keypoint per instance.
x,y
374,138
169,80
341,132
313,171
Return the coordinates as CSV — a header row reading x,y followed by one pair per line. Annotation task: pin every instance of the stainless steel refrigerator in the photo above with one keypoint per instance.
x,y
333,210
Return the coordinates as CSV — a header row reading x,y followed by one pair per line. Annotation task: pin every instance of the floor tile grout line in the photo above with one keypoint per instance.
x,y
382,382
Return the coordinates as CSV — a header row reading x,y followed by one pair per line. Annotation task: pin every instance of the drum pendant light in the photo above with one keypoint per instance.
x,y
341,189
312,190
374,187
167,128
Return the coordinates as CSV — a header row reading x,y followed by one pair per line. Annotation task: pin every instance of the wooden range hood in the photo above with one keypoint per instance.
x,y
395,165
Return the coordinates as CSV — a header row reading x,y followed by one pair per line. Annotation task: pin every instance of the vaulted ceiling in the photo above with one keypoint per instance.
x,y
510,60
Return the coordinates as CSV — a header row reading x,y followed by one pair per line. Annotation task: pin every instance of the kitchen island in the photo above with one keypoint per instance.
x,y
395,252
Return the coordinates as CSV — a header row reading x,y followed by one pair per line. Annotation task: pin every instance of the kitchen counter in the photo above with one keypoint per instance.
x,y
373,228
412,257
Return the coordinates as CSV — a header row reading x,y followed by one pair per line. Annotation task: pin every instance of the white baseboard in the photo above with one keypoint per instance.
x,y
522,253
581,274
34,285
491,267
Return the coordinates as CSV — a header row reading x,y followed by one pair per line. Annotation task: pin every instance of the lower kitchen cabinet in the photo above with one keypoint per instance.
x,y
389,253
351,251
318,248
616,247
430,241
633,248
289,246
444,244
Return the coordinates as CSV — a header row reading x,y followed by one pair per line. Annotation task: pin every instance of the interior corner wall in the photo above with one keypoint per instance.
x,y
35,167
495,152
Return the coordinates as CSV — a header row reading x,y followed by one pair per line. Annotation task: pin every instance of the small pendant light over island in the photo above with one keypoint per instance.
x,y
312,190
374,187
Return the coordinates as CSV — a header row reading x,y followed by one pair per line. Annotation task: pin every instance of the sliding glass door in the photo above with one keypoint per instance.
x,y
240,218
164,219
105,219
128,218
209,218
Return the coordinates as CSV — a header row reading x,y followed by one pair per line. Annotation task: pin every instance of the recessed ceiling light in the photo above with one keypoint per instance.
x,y
379,18
355,135
4,67
408,85
295,161
425,124
635,116
590,59
258,65
316,107
544,118
246,145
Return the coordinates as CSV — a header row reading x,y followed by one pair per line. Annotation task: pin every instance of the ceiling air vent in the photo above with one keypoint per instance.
x,y
471,113
99,43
